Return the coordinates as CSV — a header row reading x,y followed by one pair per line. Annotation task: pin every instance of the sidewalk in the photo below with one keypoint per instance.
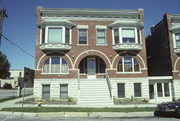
x,y
11,103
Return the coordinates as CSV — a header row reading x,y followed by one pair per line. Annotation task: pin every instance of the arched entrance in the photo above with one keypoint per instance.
x,y
92,67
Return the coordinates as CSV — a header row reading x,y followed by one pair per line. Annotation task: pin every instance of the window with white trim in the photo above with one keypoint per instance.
x,y
126,35
128,64
177,39
101,36
55,65
55,34
82,36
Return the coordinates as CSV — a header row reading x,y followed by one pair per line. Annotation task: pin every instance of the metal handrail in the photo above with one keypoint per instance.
x,y
109,85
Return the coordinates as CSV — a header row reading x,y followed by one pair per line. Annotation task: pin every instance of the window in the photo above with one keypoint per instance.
x,y
121,90
55,35
137,89
128,64
159,89
55,65
126,35
166,89
116,36
43,35
101,39
177,39
63,91
45,91
82,36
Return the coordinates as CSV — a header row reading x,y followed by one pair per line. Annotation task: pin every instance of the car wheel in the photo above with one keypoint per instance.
x,y
178,112
156,113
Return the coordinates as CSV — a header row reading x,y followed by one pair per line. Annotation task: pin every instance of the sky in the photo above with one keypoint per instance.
x,y
20,26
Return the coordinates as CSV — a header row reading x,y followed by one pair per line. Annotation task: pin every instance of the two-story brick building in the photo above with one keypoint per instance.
x,y
91,55
163,51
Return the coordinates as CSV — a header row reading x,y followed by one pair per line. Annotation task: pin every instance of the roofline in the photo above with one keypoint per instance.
x,y
88,12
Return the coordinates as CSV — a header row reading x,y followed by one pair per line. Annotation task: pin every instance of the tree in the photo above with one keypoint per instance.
x,y
4,66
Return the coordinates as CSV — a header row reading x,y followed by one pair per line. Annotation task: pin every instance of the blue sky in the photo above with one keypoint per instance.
x,y
20,26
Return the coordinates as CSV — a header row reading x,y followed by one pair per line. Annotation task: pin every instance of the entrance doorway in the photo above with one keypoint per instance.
x,y
91,67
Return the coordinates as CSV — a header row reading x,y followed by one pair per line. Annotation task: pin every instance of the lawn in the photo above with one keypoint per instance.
x,y
78,109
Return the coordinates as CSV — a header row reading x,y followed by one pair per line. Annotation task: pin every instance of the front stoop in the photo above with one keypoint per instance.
x,y
94,92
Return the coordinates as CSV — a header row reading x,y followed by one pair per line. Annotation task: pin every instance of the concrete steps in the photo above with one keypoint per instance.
x,y
94,92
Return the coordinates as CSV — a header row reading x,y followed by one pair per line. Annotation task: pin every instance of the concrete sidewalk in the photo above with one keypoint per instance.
x,y
12,103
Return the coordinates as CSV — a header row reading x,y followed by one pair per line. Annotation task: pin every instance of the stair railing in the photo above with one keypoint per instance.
x,y
78,84
109,85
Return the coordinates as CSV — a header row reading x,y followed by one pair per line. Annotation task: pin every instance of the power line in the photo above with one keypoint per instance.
x,y
16,45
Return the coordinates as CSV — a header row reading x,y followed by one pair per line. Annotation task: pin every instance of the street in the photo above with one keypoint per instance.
x,y
6,93
32,118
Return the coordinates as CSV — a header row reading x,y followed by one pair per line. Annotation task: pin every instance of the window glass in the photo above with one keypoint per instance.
x,y
128,64
64,91
159,89
137,89
46,67
128,35
177,38
46,91
136,66
121,91
64,67
120,66
82,36
55,64
116,36
43,36
101,37
166,89
55,35
67,35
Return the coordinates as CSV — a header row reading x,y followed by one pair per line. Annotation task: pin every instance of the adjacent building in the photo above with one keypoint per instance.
x,y
91,55
163,57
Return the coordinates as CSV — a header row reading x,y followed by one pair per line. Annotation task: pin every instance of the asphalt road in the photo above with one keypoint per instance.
x,y
6,93
32,118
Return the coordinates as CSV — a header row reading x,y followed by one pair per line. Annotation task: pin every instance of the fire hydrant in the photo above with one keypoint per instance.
x,y
39,102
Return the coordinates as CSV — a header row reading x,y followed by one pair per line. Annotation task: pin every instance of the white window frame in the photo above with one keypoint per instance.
x,y
174,39
63,33
123,72
50,72
120,34
104,38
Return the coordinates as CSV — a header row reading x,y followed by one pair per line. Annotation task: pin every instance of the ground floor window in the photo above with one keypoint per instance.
x,y
45,91
63,91
121,90
137,89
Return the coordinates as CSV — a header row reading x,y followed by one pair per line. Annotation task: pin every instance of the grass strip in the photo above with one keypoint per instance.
x,y
78,109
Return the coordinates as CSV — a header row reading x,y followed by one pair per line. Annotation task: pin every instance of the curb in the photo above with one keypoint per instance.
x,y
82,114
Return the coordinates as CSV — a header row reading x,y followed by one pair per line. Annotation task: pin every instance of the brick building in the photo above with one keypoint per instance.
x,y
91,55
163,51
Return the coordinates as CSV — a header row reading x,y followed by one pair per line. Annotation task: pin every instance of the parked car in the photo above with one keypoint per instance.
x,y
168,108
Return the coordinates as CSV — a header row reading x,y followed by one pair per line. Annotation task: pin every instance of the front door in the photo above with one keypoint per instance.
x,y
91,67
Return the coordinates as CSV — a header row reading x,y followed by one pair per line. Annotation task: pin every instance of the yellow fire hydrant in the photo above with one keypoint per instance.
x,y
39,102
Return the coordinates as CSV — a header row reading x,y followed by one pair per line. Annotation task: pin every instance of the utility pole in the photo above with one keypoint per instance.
x,y
2,15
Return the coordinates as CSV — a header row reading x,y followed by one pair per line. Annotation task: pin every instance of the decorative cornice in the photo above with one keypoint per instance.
x,y
175,27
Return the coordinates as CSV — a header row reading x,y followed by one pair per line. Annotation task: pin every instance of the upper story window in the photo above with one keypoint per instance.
x,y
101,36
177,39
128,64
126,35
82,36
55,65
55,34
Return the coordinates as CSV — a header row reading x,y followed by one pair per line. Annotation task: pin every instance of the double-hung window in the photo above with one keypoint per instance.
x,y
63,91
54,35
101,36
137,89
126,35
45,91
121,90
82,36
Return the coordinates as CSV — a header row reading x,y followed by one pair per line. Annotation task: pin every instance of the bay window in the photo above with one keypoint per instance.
x,y
177,39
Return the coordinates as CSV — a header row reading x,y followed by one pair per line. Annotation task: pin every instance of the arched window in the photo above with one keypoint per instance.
x,y
128,64
55,65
